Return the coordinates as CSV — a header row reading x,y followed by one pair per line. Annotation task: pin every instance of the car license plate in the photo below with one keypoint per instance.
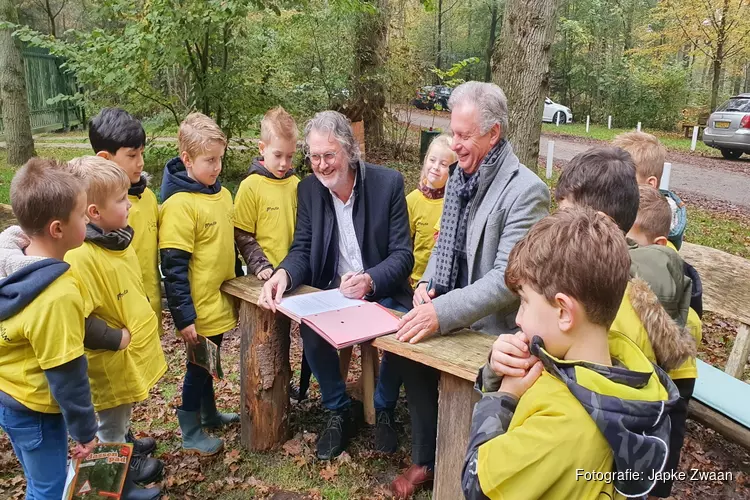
x,y
721,124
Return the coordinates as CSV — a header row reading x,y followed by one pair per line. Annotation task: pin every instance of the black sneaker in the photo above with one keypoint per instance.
x,y
145,469
132,491
386,437
342,425
143,446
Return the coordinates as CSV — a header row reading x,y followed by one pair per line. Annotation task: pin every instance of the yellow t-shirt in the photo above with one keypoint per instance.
x,y
267,208
424,215
203,225
45,334
114,292
144,219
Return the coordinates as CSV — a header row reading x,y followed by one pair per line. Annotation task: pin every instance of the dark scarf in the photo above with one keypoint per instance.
x,y
118,239
459,200
139,187
431,193
258,166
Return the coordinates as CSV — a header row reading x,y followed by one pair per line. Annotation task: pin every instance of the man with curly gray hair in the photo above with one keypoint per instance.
x,y
352,233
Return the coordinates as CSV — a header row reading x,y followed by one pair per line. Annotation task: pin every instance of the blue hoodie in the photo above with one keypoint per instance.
x,y
176,180
22,279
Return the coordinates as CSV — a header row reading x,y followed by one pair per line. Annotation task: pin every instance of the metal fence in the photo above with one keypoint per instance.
x,y
45,80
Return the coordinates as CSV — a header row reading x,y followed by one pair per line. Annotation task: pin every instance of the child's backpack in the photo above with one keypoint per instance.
x,y
679,218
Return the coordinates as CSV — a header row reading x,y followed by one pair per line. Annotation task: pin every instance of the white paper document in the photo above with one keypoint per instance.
x,y
307,304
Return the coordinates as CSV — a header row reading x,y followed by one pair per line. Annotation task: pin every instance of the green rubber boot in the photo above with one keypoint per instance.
x,y
210,416
193,437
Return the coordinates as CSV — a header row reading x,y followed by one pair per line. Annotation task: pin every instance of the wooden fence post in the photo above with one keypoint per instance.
x,y
265,374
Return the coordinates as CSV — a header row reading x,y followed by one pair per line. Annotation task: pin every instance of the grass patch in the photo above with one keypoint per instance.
x,y
671,140
715,230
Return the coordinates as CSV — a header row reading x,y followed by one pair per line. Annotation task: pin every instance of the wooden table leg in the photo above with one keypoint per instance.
x,y
345,357
367,379
265,374
455,405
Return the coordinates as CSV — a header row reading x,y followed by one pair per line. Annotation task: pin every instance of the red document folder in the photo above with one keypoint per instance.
x,y
353,325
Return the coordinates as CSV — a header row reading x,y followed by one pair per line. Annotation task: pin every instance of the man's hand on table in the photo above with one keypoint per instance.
x,y
273,290
418,324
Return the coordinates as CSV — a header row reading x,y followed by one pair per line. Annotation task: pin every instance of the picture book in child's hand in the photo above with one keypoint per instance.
x,y
340,321
102,473
207,355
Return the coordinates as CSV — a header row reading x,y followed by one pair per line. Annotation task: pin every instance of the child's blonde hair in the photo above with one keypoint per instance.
x,y
197,132
278,123
443,141
647,152
43,191
104,179
654,218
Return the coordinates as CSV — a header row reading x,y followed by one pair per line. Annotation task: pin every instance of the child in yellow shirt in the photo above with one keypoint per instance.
x,y
588,404
425,204
652,227
117,136
265,208
44,390
107,267
196,242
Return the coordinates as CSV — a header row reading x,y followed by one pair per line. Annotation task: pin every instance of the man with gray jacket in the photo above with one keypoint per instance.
x,y
491,201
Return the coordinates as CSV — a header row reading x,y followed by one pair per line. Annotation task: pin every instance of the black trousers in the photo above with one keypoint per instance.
x,y
663,489
421,384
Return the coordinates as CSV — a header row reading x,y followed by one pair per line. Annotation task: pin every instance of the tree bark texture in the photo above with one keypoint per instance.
x,y
265,374
15,104
369,90
521,68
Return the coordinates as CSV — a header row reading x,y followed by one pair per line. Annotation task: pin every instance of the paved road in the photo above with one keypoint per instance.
x,y
713,183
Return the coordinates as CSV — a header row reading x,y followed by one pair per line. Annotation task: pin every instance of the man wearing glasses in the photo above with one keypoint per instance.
x,y
352,233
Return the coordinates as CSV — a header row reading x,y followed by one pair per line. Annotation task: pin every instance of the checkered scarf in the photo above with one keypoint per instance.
x,y
459,199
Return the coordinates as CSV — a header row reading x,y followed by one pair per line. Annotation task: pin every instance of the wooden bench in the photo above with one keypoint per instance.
x,y
721,400
265,374
687,129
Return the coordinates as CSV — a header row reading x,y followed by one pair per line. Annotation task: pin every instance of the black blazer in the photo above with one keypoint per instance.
x,y
381,222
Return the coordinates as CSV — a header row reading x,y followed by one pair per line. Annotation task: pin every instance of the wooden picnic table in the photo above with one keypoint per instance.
x,y
265,375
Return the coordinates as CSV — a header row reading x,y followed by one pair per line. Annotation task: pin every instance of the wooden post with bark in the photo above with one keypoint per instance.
x,y
521,68
265,374
16,117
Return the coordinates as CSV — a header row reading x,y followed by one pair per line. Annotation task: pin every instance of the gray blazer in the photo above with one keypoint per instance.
x,y
511,198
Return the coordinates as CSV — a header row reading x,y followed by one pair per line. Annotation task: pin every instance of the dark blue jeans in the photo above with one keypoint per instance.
x,y
198,383
40,441
324,363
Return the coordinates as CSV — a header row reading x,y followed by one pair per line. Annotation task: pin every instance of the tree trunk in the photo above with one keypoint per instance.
x,y
439,60
521,69
491,41
747,77
369,91
15,104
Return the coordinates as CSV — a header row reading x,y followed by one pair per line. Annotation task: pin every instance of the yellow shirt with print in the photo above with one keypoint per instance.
x,y
267,208
202,225
551,436
424,216
45,334
114,292
144,219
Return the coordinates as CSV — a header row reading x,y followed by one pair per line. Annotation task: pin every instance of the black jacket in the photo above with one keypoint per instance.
x,y
381,222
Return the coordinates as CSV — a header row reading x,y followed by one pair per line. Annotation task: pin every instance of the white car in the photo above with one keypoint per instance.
x,y
552,111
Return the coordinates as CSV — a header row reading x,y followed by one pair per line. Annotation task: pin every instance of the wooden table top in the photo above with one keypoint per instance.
x,y
460,354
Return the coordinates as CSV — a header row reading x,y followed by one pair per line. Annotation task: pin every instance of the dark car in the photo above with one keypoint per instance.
x,y
432,97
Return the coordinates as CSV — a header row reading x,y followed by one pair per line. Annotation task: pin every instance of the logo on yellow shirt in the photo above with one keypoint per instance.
x,y
209,224
4,333
268,209
122,294
152,227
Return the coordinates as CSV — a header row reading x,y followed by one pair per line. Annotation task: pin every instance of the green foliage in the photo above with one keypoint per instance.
x,y
449,77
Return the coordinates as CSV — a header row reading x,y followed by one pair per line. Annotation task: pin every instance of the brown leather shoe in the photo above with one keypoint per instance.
x,y
411,481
